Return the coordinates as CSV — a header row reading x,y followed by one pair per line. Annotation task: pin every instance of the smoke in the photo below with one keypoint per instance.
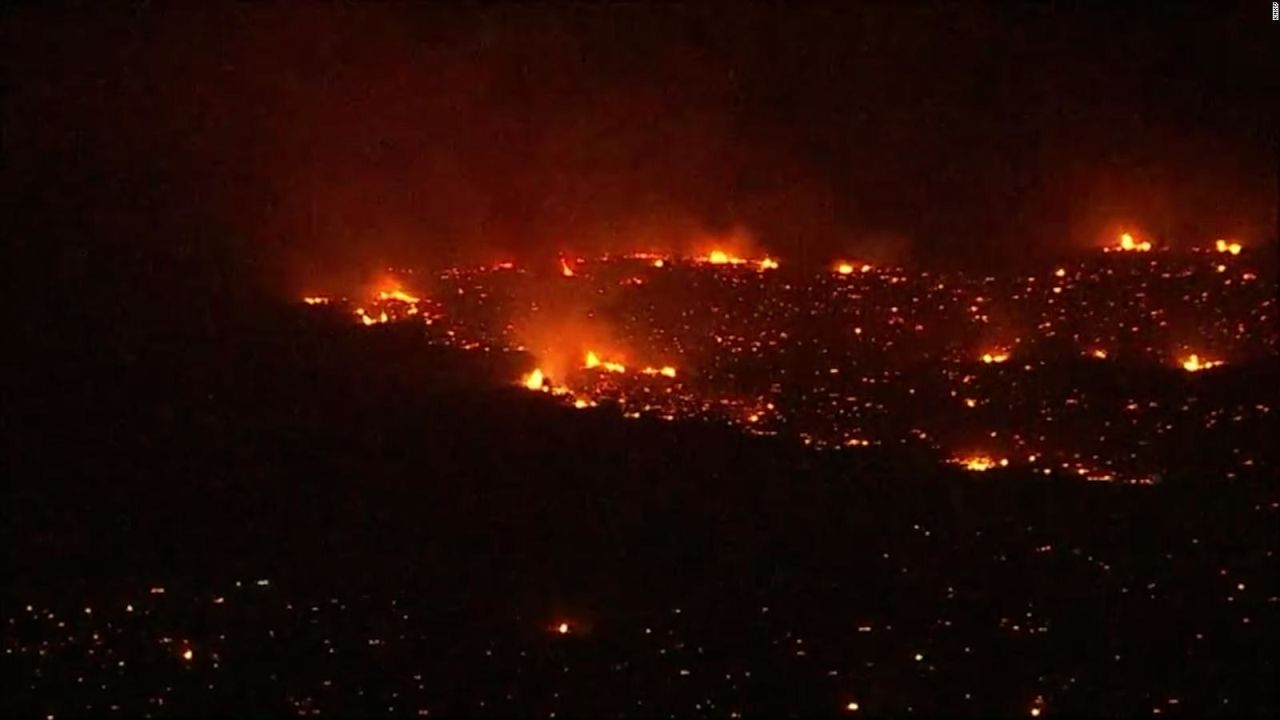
x,y
318,144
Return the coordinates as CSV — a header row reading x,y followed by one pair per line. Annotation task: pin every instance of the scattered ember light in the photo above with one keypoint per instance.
x,y
316,300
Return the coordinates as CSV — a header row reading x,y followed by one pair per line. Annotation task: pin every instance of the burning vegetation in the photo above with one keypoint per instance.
x,y
839,360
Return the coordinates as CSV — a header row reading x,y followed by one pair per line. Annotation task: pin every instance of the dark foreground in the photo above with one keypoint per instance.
x,y
353,524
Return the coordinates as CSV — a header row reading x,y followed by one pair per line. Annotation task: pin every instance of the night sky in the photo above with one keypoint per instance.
x,y
303,146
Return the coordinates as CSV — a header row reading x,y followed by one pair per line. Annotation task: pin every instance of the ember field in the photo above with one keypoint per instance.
x,y
1125,367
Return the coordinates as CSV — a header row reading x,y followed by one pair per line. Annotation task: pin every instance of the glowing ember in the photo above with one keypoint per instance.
x,y
852,707
844,268
1193,363
188,654
1099,353
1223,246
768,264
565,269
534,380
316,300
563,628
997,356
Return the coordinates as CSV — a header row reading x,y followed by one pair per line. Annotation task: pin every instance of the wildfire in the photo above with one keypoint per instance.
x,y
997,356
1128,244
847,268
665,371
316,300
1193,363
593,361
1223,246
768,264
534,380
720,257
980,463
397,295
565,269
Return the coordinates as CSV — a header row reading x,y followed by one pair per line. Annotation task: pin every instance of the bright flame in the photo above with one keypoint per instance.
x,y
1128,244
844,268
188,654
565,269
980,463
593,361
768,264
533,380
563,628
998,356
1099,353
718,257
316,300
397,295
1223,246
665,371
1193,363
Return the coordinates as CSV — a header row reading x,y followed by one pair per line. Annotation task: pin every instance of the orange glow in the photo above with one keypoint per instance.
x,y
188,655
1223,246
768,264
316,300
980,463
659,263
565,269
996,356
844,268
563,628
533,380
1099,353
720,257
1193,363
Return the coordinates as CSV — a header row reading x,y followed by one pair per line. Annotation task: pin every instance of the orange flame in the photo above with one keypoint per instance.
x,y
1223,246
980,463
593,361
1128,244
1193,363
534,380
